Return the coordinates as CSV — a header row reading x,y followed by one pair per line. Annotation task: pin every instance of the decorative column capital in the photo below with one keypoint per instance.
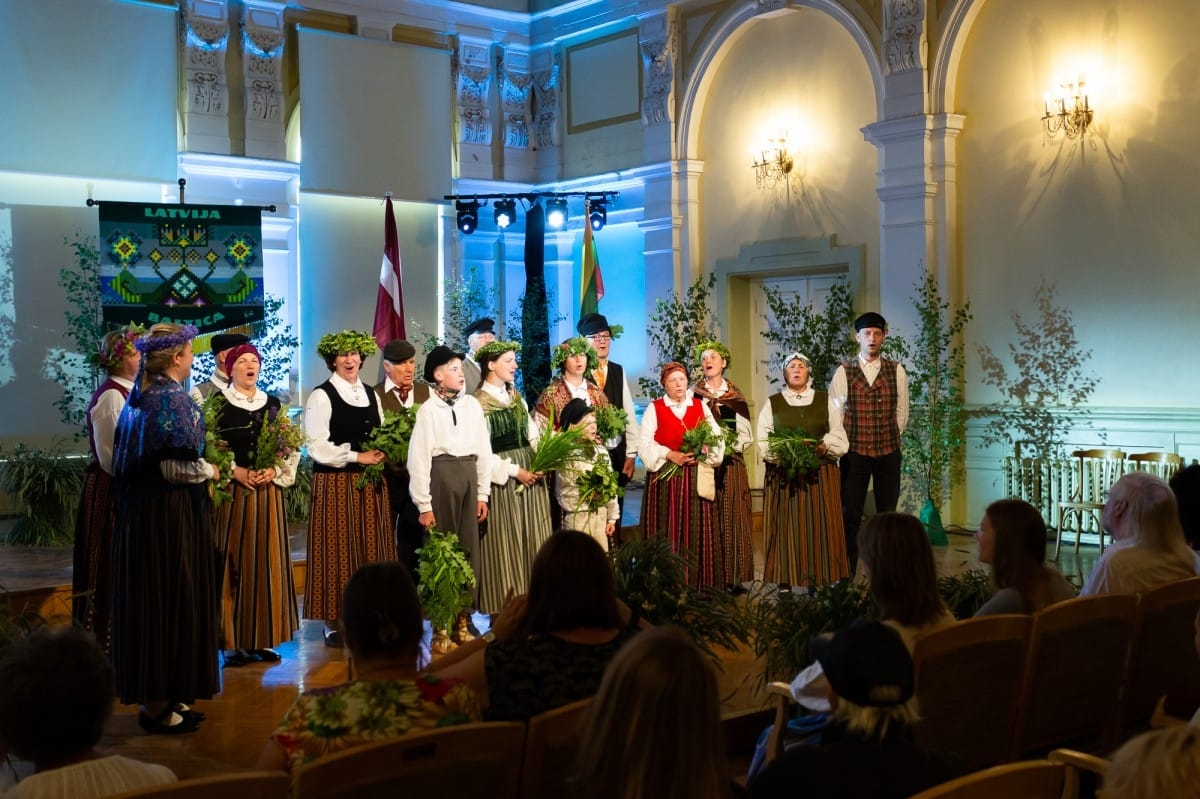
x,y
904,36
546,65
516,85
205,38
659,43
263,39
473,81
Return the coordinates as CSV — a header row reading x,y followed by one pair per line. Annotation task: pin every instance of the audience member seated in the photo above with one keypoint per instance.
x,y
387,697
56,693
655,727
1012,538
1185,484
867,749
1148,548
1155,765
566,631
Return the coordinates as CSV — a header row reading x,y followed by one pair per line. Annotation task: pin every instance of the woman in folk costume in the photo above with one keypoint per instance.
x,y
258,590
574,359
91,578
165,610
680,486
731,410
600,523
519,512
347,526
802,516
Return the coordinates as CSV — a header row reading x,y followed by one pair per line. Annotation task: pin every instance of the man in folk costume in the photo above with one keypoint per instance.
x,y
399,389
869,396
610,377
222,344
480,332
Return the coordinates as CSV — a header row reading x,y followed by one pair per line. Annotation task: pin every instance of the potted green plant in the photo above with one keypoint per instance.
x,y
444,582
45,485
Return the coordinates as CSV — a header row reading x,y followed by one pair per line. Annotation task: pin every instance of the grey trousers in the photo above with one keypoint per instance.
x,y
455,500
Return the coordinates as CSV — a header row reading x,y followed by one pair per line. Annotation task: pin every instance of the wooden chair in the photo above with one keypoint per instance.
x,y
1163,464
1164,659
471,760
1077,763
551,743
1033,779
1074,673
780,694
969,686
247,785
1095,472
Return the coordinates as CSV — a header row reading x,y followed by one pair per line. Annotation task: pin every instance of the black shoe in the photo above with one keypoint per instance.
x,y
333,638
238,657
266,655
785,588
159,726
738,589
188,713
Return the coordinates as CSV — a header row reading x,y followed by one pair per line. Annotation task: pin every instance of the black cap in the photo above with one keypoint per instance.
x,y
483,325
572,413
867,664
592,323
398,351
227,341
439,356
870,319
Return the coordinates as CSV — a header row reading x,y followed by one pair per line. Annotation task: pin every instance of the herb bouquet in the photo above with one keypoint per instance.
x,y
216,450
557,449
391,438
610,422
278,440
444,579
697,441
598,486
794,452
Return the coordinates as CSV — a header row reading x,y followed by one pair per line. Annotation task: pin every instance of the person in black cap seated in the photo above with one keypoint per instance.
x,y
399,389
867,748
480,332
450,457
868,398
221,344
610,377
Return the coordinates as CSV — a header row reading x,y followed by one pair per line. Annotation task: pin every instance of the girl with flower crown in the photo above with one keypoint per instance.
x,y
91,578
348,526
165,614
574,359
258,591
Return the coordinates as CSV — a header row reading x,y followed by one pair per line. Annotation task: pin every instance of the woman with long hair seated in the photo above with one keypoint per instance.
x,y
655,727
1012,538
560,638
388,696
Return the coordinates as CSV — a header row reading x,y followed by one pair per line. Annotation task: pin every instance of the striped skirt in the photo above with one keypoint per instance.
x,y
733,522
347,527
91,577
517,526
673,510
802,528
258,592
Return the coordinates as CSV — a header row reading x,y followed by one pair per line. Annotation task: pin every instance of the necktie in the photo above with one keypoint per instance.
x,y
599,376
402,393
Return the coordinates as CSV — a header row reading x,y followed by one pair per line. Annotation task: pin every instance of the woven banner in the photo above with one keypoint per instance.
x,y
189,264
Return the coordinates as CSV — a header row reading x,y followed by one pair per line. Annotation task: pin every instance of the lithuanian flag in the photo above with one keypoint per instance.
x,y
591,283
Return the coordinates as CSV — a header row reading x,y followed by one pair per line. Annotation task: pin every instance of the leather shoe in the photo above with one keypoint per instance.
x,y
188,713
160,725
266,655
238,657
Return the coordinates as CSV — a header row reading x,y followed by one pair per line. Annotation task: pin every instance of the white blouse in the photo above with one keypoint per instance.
x,y
317,412
654,454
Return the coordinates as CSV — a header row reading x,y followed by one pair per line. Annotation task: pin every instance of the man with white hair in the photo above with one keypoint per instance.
x,y
1148,548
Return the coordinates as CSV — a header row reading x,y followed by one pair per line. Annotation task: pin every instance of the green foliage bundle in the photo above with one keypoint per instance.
x,y
45,485
936,434
825,336
697,441
216,450
677,326
610,422
793,452
278,438
392,439
652,578
781,628
598,486
1049,383
966,593
69,366
297,498
444,578
556,449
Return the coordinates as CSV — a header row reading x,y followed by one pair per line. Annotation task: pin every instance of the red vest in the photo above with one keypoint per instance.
x,y
870,415
670,428
108,383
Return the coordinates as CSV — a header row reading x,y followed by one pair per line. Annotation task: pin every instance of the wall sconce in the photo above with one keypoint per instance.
x,y
1068,112
773,164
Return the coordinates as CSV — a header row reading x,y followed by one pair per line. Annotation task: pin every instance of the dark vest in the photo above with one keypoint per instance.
x,y
870,414
614,390
349,424
390,402
812,419
108,383
240,428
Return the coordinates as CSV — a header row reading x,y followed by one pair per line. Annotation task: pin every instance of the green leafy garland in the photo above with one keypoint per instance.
x,y
611,422
598,486
216,450
444,578
495,349
794,452
577,345
332,345
392,439
715,346
697,442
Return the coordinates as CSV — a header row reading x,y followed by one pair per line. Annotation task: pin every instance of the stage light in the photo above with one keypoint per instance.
x,y
468,215
505,213
597,213
556,212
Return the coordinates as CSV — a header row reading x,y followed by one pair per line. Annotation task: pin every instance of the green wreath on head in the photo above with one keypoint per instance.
x,y
575,346
716,347
494,349
332,345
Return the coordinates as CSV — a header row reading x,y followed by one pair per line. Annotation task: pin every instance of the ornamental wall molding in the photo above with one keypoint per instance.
x,y
473,81
660,52
904,36
545,103
263,41
205,39
516,86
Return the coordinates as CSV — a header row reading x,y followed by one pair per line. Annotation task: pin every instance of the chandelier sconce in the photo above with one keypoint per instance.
x,y
1068,112
773,164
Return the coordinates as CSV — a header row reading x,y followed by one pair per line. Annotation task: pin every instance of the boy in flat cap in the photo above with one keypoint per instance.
x,y
868,396
480,332
399,389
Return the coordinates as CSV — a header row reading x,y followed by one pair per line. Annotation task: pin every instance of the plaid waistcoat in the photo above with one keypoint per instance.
x,y
870,414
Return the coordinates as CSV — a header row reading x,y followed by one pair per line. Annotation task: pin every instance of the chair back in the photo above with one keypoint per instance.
x,y
551,743
1163,659
246,785
467,761
977,664
1033,779
1162,464
1074,673
1097,470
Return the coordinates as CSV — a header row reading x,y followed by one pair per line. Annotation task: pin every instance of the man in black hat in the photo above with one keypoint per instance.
x,y
868,397
867,748
480,332
610,377
399,389
221,344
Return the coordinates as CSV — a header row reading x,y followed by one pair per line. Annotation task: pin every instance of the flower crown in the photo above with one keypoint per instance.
x,y
332,345
716,347
575,346
495,349
121,346
148,343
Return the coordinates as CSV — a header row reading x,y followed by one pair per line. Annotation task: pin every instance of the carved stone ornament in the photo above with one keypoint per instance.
x,y
262,68
904,47
515,88
204,41
545,106
659,55
473,81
